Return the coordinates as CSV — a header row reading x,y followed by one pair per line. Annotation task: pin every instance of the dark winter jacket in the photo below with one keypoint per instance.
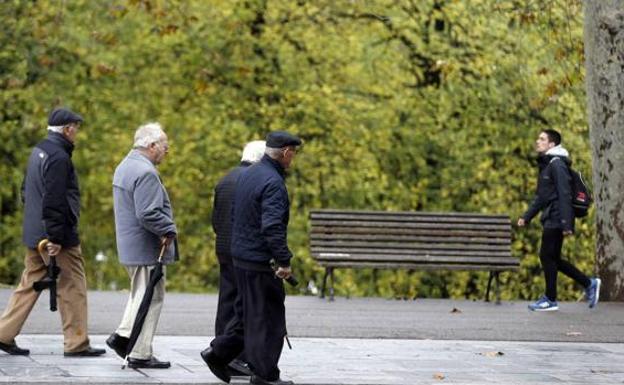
x,y
51,194
260,215
554,195
222,212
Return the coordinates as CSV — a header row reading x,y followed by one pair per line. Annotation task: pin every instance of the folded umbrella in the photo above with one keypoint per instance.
x,y
155,275
53,271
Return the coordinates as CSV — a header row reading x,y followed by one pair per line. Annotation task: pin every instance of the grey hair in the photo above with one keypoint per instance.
x,y
253,151
147,134
275,153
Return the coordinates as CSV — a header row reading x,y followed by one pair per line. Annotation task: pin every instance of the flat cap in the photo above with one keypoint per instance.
x,y
62,117
279,139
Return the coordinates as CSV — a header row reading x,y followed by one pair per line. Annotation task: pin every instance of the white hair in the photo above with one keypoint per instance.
x,y
58,129
147,134
274,153
253,151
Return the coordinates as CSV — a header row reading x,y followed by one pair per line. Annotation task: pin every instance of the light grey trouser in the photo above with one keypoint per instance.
x,y
139,279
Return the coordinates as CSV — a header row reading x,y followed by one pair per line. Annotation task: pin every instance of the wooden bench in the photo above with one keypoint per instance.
x,y
411,240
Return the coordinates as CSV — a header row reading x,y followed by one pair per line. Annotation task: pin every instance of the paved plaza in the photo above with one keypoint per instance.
x,y
351,341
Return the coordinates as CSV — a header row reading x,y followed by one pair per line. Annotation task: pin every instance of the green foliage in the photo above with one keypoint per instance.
x,y
430,105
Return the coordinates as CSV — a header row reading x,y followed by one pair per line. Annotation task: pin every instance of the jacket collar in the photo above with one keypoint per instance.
x,y
275,164
60,139
136,154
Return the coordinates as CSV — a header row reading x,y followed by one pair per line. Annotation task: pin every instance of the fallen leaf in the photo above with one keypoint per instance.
x,y
438,376
456,310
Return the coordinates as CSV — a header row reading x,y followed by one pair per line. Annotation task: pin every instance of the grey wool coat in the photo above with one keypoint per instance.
x,y
143,212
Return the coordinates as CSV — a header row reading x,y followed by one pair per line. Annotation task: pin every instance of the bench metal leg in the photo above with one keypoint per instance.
x,y
324,283
489,285
497,289
331,283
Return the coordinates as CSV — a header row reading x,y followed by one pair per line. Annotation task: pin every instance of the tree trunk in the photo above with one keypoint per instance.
x,y
604,53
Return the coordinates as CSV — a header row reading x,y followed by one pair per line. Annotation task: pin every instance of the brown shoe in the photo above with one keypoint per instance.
x,y
13,349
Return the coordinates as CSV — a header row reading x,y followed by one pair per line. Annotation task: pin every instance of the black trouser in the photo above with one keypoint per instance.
x,y
550,256
228,292
259,326
227,297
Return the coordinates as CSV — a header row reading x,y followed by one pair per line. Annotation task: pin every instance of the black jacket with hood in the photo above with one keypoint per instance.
x,y
554,194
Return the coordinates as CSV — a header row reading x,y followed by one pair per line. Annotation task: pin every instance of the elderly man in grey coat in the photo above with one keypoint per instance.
x,y
143,223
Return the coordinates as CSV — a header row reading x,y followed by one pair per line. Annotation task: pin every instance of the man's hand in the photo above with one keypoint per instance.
x,y
567,232
283,272
521,222
167,239
53,248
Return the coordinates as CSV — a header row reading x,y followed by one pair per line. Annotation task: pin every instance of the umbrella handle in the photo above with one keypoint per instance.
x,y
162,252
41,246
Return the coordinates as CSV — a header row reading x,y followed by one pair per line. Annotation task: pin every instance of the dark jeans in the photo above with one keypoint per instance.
x,y
259,326
550,256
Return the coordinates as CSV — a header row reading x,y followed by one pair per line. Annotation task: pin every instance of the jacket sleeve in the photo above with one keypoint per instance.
x,y
55,208
561,177
149,206
537,204
275,208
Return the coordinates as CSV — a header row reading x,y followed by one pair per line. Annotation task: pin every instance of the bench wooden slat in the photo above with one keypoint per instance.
x,y
317,252
324,257
322,212
410,219
407,245
423,266
424,225
383,230
409,238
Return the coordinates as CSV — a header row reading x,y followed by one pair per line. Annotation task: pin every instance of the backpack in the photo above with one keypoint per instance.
x,y
581,196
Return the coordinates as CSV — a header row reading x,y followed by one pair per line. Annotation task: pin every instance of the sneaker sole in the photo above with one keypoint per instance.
x,y
554,308
598,282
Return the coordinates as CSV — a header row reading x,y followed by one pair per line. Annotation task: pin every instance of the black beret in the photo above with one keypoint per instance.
x,y
279,139
62,117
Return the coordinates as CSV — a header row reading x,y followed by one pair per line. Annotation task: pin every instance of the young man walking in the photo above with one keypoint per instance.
x,y
554,200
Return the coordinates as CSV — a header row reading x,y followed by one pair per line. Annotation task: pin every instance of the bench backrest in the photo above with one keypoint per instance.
x,y
413,240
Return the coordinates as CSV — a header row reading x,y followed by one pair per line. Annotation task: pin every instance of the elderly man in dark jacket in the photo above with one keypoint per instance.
x,y
554,199
51,210
222,225
143,224
260,221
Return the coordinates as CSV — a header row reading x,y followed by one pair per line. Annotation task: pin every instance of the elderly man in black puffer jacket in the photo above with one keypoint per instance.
x,y
260,222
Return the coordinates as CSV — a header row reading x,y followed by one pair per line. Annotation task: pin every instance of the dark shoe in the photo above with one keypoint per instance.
x,y
89,352
261,381
152,363
13,349
216,366
118,343
239,368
